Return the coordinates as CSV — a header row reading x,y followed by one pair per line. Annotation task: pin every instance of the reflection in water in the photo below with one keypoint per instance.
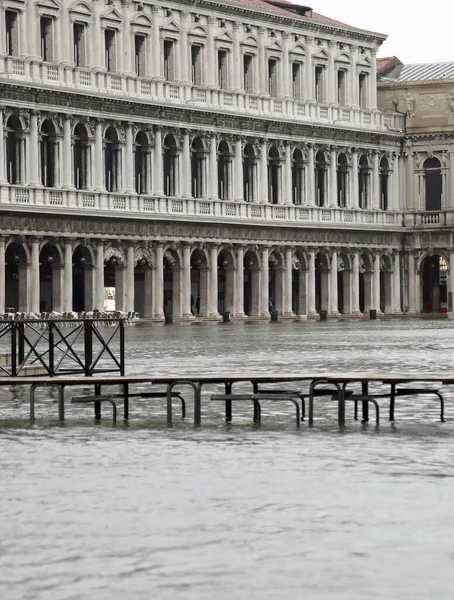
x,y
239,511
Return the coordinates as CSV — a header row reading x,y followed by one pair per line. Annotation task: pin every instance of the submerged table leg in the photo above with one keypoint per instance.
x,y
61,403
392,402
228,403
98,402
126,401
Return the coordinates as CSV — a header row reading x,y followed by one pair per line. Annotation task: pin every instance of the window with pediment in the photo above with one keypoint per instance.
x,y
12,32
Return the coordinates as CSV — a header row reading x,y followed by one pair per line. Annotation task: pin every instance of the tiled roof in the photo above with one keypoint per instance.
x,y
384,62
421,72
279,7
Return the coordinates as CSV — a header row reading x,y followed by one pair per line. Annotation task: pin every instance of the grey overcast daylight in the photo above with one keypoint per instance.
x,y
418,31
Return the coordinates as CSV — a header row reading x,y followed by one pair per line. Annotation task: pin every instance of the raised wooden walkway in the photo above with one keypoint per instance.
x,y
334,386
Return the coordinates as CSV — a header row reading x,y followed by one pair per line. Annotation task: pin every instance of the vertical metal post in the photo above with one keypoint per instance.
x,y
88,346
61,403
126,401
255,389
98,402
13,349
198,403
32,402
51,349
228,403
21,343
122,347
341,406
392,402
365,392
169,404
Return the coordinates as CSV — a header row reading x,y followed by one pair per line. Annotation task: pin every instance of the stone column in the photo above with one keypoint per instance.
x,y
353,87
129,283
32,26
158,178
310,91
373,80
238,183
156,54
331,96
98,157
184,50
2,148
288,308
397,305
240,282
237,57
68,276
211,58
333,178
185,186
286,65
263,174
129,162
355,285
213,168
413,295
376,284
287,192
311,310
213,298
355,181
187,282
2,273
411,197
158,310
310,196
333,289
33,151
450,198
67,154
99,293
262,68
375,203
265,284
394,197
33,301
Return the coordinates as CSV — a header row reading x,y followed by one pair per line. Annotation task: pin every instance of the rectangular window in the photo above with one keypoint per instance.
x,y
79,44
362,90
12,33
169,53
46,24
223,57
196,64
297,88
320,84
272,76
247,73
110,50
139,55
341,79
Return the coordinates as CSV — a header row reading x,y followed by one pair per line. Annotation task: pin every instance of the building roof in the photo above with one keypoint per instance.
x,y
417,72
383,63
295,11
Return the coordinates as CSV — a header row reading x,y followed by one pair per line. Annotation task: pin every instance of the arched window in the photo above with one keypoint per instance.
x,y
249,166
142,164
81,158
364,183
342,180
171,181
198,179
297,177
384,183
224,171
112,161
274,175
48,155
434,184
15,151
320,178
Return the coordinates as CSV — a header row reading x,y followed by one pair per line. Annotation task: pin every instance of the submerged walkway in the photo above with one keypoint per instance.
x,y
339,387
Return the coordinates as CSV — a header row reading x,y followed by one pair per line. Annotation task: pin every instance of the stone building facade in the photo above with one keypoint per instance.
x,y
191,160
424,93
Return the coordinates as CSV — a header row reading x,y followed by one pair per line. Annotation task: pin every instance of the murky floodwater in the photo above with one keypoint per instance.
x,y
241,511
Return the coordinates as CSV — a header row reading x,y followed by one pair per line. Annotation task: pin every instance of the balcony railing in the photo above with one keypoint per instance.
x,y
67,77
432,218
58,201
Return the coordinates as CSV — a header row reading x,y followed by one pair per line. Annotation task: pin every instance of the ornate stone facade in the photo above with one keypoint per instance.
x,y
199,160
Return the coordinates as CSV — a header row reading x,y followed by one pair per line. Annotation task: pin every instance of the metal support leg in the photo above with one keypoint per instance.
x,y
98,402
442,407
32,402
341,405
61,403
257,412
228,403
392,402
197,388
126,401
365,392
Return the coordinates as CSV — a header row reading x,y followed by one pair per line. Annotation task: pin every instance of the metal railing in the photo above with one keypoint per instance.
x,y
62,347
